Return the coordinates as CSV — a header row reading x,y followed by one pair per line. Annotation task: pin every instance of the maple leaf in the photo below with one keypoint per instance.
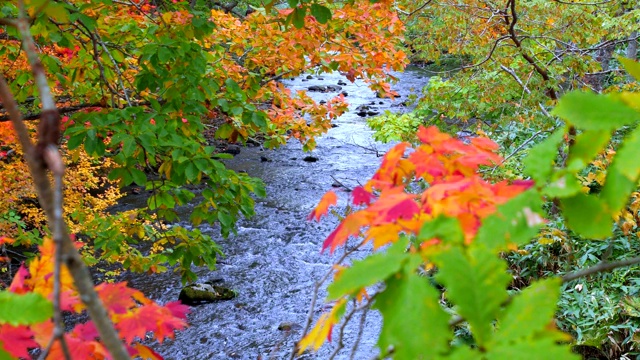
x,y
79,349
177,309
118,298
167,324
18,284
16,340
144,352
361,196
350,226
405,209
383,235
322,330
327,200
4,239
41,270
135,323
150,317
86,331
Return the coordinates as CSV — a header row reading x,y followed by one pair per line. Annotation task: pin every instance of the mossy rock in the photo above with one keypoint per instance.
x,y
206,292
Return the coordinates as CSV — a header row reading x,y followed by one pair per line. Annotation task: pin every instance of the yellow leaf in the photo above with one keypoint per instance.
x,y
322,330
545,241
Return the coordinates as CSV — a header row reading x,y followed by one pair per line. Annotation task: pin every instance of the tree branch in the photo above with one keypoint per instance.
x,y
38,163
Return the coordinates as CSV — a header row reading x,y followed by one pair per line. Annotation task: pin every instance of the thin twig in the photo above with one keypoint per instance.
x,y
603,266
314,298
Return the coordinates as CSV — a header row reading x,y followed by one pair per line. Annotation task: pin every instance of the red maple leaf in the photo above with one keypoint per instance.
x,y
17,340
177,309
18,285
361,196
118,298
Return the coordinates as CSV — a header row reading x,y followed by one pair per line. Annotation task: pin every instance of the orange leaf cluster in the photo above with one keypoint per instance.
x,y
448,166
133,314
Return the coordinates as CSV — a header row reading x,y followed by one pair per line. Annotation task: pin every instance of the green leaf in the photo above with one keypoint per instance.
x,y
623,173
588,216
563,184
321,13
297,17
535,307
25,309
587,145
371,270
590,111
138,176
129,146
444,228
76,140
539,162
225,219
544,348
632,67
514,222
259,119
57,11
429,333
476,282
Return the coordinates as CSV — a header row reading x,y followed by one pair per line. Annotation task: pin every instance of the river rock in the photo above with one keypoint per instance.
x,y
288,326
231,149
365,110
310,158
324,89
200,293
341,83
309,77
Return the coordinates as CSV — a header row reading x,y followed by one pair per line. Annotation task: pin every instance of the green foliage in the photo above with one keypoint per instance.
x,y
396,127
429,334
24,309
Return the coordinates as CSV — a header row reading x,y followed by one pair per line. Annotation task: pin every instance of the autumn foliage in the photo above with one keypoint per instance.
x,y
132,313
449,167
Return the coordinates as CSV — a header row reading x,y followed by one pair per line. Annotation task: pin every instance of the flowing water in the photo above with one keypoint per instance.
x,y
275,258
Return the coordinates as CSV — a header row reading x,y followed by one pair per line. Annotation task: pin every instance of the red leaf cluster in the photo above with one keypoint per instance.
x,y
133,314
448,166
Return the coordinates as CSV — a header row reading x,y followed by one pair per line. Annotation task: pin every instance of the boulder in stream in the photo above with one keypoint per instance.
x,y
206,292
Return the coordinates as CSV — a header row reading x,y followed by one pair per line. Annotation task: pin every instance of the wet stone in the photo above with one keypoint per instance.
x,y
231,149
202,293
288,326
310,158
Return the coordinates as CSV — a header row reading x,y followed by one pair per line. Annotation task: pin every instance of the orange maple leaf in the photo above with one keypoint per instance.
x,y
330,198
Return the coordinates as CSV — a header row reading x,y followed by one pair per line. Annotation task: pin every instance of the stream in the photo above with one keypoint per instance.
x,y
275,258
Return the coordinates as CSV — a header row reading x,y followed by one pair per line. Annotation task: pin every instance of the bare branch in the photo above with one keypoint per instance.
x,y
603,266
